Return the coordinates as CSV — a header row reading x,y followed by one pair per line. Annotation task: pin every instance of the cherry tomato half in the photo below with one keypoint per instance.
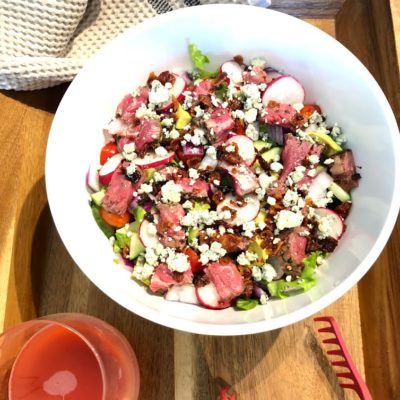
x,y
107,152
194,260
115,220
309,109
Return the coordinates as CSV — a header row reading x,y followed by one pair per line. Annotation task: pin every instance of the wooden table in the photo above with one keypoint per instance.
x,y
38,277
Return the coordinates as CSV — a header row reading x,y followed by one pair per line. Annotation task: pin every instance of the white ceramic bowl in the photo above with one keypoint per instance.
x,y
333,78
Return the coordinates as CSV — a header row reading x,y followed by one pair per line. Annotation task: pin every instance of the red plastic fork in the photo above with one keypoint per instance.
x,y
358,384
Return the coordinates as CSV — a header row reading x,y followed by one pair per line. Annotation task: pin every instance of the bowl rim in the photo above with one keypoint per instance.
x,y
286,319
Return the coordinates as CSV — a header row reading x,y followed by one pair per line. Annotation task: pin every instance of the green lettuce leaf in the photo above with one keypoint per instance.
x,y
199,59
245,304
282,289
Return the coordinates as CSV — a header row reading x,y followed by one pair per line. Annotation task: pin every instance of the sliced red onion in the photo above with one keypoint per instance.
x,y
148,205
190,150
127,264
258,291
276,133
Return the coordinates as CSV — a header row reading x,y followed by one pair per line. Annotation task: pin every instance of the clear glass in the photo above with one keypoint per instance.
x,y
115,358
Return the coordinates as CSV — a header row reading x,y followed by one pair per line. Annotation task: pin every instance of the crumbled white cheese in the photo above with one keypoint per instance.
x,y
312,172
131,169
158,94
246,258
145,188
258,62
161,151
329,161
168,122
193,173
263,299
158,177
298,106
212,152
298,174
249,228
239,114
211,253
313,158
177,262
250,115
252,131
276,166
290,199
265,180
172,134
230,148
171,192
199,111
268,272
288,219
256,273
316,118
146,113
129,147
188,99
250,91
271,200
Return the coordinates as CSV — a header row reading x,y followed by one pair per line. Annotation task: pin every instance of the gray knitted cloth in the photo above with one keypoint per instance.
x,y
46,42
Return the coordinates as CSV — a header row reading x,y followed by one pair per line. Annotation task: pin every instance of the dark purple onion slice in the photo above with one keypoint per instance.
x,y
276,133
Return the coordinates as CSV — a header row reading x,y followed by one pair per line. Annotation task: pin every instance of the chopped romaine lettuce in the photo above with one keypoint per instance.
x,y
199,59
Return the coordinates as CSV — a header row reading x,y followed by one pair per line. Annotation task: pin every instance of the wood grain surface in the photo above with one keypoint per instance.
x,y
38,277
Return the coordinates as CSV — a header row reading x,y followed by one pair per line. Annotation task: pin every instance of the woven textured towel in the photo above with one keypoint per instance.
x,y
46,42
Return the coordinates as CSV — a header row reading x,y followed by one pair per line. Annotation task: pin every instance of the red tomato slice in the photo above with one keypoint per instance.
x,y
107,152
309,109
115,220
194,260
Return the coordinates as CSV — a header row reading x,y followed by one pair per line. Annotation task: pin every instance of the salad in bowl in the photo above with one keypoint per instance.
x,y
222,188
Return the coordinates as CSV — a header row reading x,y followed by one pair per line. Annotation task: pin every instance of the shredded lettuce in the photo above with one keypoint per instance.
x,y
281,288
245,304
199,59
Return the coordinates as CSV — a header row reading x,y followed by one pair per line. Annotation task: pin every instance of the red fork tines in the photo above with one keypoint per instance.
x,y
352,374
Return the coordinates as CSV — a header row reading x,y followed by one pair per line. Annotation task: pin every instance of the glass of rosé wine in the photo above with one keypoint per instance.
x,y
67,357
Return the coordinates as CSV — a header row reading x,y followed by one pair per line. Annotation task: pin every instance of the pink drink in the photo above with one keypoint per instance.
x,y
67,357
56,363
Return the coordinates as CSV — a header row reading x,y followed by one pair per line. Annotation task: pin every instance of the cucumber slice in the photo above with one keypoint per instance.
x,y
98,197
135,247
262,146
270,155
339,193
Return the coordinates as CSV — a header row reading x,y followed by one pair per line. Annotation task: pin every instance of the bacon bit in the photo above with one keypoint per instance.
x,y
230,157
247,280
193,162
232,242
165,77
343,209
151,78
125,251
231,210
225,260
239,127
205,100
200,280
174,145
218,197
178,276
234,104
239,59
273,104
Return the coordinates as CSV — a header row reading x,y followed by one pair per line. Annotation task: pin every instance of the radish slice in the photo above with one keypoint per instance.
x,y
233,71
92,177
208,163
208,297
319,185
152,160
330,224
178,87
245,148
284,90
182,293
273,73
148,234
108,169
244,214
